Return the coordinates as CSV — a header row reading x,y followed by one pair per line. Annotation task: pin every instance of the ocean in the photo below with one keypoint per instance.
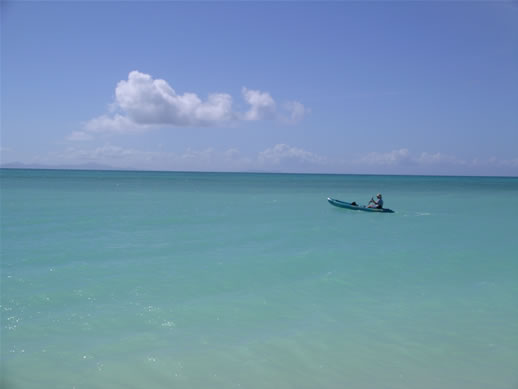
x,y
121,279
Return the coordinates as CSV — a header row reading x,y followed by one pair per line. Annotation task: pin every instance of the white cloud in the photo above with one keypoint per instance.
x,y
295,110
281,158
402,161
393,157
262,106
116,123
142,103
285,157
403,158
119,157
438,158
494,161
102,154
79,136
154,102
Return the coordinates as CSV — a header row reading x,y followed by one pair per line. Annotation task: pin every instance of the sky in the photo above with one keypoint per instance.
x,y
410,87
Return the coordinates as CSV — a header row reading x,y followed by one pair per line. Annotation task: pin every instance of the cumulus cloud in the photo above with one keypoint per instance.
x,y
154,102
142,103
262,106
116,123
295,110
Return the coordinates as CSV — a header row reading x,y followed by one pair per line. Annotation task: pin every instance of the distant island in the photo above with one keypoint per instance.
x,y
84,166
98,166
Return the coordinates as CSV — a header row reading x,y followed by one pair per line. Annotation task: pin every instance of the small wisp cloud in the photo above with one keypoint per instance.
x,y
280,153
280,158
142,103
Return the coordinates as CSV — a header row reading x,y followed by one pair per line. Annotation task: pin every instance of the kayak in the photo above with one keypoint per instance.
x,y
344,204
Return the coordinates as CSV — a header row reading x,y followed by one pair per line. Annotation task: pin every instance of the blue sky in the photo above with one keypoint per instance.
x,y
335,87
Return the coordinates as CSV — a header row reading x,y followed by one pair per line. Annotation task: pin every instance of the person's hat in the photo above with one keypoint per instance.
x,y
378,195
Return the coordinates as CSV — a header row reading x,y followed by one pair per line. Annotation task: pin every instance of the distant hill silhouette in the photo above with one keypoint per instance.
x,y
83,166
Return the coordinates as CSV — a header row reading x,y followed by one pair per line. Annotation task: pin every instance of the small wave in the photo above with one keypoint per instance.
x,y
422,214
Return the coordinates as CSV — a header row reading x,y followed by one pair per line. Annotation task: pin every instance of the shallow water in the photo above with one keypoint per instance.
x,y
221,280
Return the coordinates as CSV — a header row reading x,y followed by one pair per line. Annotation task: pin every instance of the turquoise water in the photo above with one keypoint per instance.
x,y
209,280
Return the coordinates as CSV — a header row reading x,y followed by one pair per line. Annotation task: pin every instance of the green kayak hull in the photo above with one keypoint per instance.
x,y
346,205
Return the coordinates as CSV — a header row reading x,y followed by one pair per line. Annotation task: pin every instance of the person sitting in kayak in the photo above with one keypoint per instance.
x,y
376,203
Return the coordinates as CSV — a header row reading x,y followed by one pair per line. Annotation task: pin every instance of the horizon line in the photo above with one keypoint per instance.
x,y
119,169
